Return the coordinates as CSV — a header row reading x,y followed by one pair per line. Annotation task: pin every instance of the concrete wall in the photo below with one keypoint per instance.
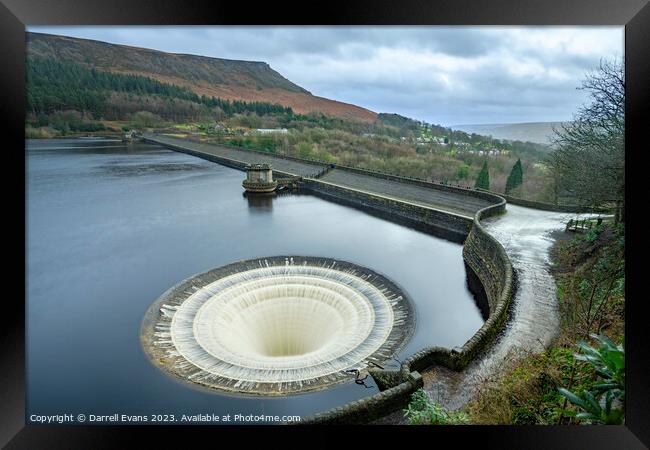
x,y
488,260
489,196
446,225
549,206
370,408
261,152
233,163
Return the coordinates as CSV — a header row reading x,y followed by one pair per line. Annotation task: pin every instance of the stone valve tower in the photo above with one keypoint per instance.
x,y
259,179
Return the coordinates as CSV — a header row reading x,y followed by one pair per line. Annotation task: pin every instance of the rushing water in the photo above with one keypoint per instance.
x,y
111,227
526,235
278,325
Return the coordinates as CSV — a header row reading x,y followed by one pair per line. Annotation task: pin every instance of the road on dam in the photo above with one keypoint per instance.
x,y
450,202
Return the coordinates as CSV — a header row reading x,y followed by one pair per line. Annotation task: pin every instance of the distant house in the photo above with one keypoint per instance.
x,y
271,131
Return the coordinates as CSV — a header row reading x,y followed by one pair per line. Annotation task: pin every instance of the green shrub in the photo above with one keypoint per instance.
x,y
594,232
596,404
424,411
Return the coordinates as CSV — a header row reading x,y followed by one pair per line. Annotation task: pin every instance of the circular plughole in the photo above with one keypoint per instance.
x,y
277,326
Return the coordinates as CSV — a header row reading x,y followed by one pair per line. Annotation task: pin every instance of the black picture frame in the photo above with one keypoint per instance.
x,y
15,15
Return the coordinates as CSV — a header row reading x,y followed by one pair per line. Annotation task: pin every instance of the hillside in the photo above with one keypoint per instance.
x,y
77,86
538,132
248,81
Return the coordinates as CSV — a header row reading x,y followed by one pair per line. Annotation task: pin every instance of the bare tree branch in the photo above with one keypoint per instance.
x,y
589,156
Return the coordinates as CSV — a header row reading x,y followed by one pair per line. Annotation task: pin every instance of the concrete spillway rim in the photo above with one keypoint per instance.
x,y
157,342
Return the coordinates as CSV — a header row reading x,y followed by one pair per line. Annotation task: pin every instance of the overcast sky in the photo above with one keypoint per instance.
x,y
442,75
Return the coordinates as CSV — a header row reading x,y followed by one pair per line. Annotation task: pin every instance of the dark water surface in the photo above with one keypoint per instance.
x,y
111,227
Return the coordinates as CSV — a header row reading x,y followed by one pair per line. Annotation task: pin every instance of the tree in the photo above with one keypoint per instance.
x,y
589,155
483,178
145,119
463,172
516,177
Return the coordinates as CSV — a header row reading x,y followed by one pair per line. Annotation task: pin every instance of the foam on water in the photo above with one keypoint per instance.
x,y
288,325
526,235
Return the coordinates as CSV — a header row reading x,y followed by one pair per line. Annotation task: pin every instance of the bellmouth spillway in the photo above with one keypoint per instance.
x,y
278,325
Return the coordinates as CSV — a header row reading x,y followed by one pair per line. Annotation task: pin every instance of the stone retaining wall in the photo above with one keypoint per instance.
x,y
228,162
370,408
478,193
489,196
486,195
549,206
447,225
488,260
265,153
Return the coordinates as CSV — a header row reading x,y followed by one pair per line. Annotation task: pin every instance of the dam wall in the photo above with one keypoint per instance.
x,y
451,199
550,206
371,408
443,224
477,193
228,162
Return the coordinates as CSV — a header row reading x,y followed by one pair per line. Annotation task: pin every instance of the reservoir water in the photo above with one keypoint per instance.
x,y
111,226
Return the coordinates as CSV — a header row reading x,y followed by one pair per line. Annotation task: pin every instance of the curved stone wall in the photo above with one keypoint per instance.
x,y
549,206
450,226
487,259
370,408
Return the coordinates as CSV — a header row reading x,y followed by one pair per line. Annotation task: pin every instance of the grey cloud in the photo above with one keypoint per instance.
x,y
353,64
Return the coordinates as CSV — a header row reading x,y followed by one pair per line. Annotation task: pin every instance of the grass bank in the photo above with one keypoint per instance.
x,y
589,270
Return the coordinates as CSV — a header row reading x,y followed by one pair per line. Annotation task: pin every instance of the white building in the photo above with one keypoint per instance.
x,y
271,131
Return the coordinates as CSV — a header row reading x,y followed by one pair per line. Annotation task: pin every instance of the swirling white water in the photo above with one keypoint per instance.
x,y
288,325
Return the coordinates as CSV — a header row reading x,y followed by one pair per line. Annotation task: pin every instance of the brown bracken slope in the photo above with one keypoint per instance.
x,y
223,78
